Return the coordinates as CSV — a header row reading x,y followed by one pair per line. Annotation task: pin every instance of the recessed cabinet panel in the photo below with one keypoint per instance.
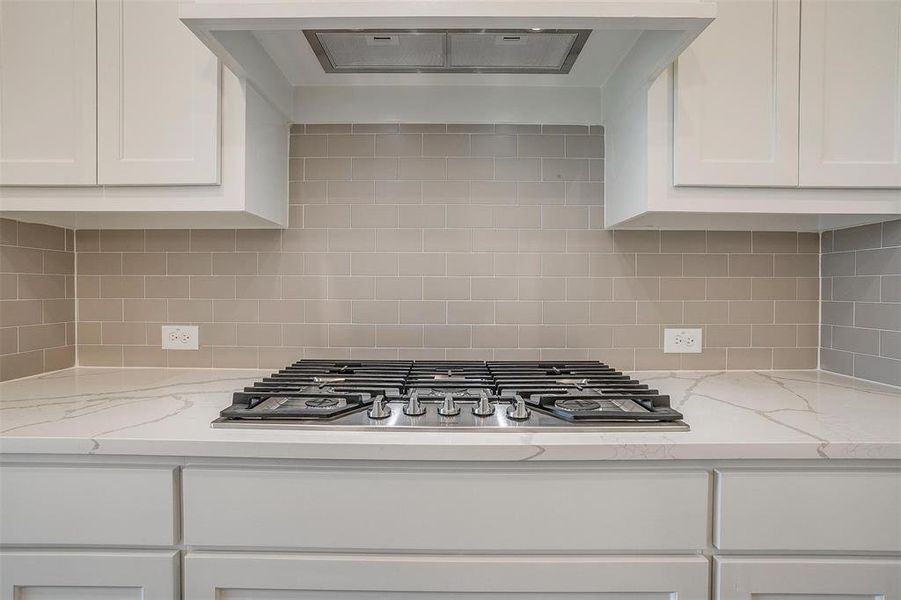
x,y
736,98
455,510
851,93
80,506
158,96
88,575
47,92
805,578
224,576
812,511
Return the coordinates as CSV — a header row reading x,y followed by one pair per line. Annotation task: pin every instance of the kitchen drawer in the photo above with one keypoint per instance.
x,y
76,505
808,510
807,578
277,576
446,509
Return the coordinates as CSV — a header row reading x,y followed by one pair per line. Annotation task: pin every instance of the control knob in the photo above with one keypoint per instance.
x,y
414,407
449,408
519,411
379,409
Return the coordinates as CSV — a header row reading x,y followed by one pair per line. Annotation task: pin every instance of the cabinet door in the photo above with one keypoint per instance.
x,y
88,575
47,92
222,576
851,93
736,98
807,579
158,97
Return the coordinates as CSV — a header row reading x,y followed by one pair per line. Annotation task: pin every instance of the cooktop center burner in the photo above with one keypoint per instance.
x,y
578,404
442,395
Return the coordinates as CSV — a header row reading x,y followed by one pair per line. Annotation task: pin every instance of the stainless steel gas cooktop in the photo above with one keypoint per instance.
x,y
459,395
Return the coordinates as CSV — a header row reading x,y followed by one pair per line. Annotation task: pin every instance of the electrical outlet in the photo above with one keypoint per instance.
x,y
682,341
180,337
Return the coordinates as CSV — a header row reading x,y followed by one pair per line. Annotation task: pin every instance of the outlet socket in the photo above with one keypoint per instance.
x,y
682,341
181,337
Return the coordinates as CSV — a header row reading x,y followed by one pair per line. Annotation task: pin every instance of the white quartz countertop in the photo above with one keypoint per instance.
x,y
733,415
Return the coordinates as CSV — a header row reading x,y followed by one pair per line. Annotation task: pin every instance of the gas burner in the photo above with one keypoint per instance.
x,y
577,404
466,395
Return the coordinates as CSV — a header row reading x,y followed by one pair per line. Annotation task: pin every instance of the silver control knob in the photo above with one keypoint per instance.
x,y
414,407
449,408
519,411
484,408
379,409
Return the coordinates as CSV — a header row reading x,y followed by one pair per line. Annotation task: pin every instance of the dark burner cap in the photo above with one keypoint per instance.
x,y
321,402
578,404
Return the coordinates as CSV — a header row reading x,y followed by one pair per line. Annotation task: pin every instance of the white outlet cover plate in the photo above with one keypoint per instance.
x,y
682,341
181,337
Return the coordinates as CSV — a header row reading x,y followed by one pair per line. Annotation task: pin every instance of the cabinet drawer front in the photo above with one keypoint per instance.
x,y
89,575
808,510
805,578
446,510
227,576
87,505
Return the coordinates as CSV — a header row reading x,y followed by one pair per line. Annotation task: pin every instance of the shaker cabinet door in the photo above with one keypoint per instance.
x,y
851,93
158,97
48,91
803,578
89,575
224,576
736,98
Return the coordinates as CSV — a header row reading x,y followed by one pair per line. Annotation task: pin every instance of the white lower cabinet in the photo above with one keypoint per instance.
x,y
227,576
804,578
89,575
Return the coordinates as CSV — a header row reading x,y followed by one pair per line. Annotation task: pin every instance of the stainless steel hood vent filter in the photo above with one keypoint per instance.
x,y
447,51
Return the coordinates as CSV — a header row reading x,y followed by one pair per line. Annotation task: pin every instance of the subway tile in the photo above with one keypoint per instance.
x,y
59,262
211,240
796,265
727,336
517,169
864,288
751,312
565,312
492,192
116,286
493,288
494,145
541,145
308,145
304,334
447,336
468,216
564,217
90,309
327,215
612,265
446,288
683,288
202,286
36,235
258,286
588,288
305,240
636,241
120,240
423,312
749,358
190,311
774,288
584,193
352,335
308,192
890,344
425,216
328,311
565,265
374,263
516,217
398,192
326,263
891,288
351,240
570,129
398,240
705,312
470,312
9,232
470,169
800,311
495,336
733,242
774,335
91,263
327,169
375,311
837,313
878,315
364,169
183,263
421,169
307,287
445,144
542,336
520,264
350,192
613,313
837,264
636,288
351,288
855,339
422,264
518,313
857,238
494,240
589,336
658,264
751,265
398,288
351,145
123,333
540,192
705,265
39,337
891,233
42,286
546,241
664,313
635,336
478,264
885,261
398,144
99,356
398,336
58,311
876,368
143,310
543,288
564,169
774,241
582,146
376,128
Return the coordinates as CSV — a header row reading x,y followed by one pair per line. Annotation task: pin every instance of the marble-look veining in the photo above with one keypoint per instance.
x,y
733,415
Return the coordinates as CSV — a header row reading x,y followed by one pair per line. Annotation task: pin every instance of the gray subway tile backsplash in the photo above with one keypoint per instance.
x,y
861,309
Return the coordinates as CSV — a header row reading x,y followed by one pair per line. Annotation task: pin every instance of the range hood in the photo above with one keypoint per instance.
x,y
531,51
442,59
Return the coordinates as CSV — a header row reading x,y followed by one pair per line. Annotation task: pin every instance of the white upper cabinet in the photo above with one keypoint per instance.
x,y
157,95
736,98
47,92
851,93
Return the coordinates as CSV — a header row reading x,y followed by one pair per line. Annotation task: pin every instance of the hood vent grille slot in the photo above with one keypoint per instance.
x,y
447,51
